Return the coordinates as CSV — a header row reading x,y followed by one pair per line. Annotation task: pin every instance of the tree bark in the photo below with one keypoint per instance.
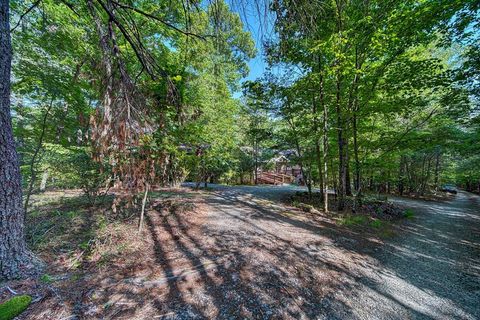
x,y
348,185
342,172
318,154
255,154
426,178
334,179
354,107
437,168
325,159
401,176
142,213
356,182
300,156
15,259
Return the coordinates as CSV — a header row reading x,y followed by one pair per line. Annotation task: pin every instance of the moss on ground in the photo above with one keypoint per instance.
x,y
13,307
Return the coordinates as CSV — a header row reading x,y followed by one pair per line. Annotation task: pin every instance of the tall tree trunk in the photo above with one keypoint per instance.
x,y
406,174
15,259
356,179
348,185
325,159
334,179
355,108
427,175
421,178
401,176
340,121
142,213
437,167
299,151
255,153
341,149
316,125
318,154
309,181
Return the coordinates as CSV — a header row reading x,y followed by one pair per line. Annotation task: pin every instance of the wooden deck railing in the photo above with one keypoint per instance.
x,y
274,178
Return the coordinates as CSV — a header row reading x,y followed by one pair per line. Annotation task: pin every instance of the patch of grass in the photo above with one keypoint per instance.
x,y
14,307
75,277
353,220
102,223
409,214
34,213
72,214
84,245
46,278
377,224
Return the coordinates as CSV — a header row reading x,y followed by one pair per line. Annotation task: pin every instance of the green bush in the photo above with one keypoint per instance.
x,y
74,167
13,307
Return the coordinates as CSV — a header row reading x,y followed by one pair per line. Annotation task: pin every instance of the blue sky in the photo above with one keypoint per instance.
x,y
258,21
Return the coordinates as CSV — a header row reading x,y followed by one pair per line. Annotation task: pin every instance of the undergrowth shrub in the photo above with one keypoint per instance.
x,y
74,167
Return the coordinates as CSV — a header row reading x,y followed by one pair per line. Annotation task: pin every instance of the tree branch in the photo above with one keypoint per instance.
x,y
70,6
148,15
36,3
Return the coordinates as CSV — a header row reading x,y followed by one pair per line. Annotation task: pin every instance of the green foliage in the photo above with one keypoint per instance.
x,y
409,214
58,60
376,223
393,82
46,278
14,307
396,106
362,220
74,166
353,220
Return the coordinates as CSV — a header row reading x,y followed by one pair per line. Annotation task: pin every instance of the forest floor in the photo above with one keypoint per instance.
x,y
240,252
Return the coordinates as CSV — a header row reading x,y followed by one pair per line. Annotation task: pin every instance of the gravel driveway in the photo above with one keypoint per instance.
x,y
432,270
303,267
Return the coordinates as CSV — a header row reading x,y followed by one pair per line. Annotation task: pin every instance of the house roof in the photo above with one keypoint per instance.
x,y
280,158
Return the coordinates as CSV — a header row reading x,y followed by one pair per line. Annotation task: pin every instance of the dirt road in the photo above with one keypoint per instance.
x,y
284,265
432,269
239,253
